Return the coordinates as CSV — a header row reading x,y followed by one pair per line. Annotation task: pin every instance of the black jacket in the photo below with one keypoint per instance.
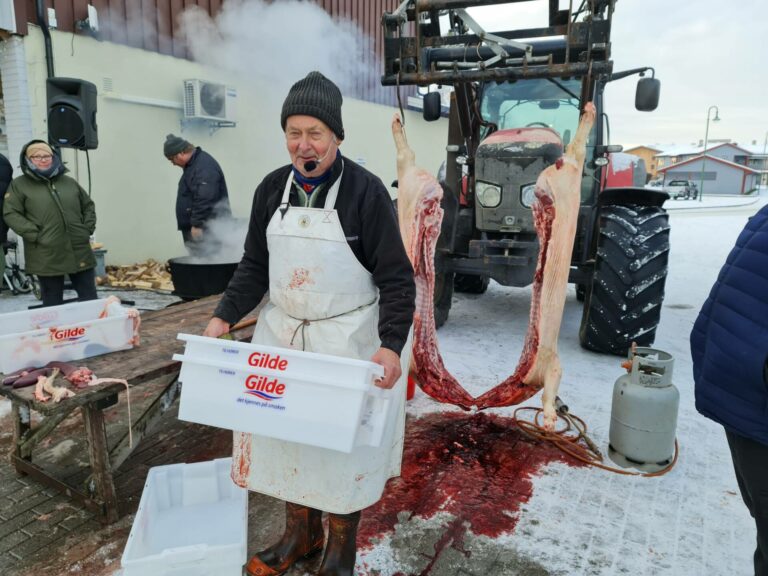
x,y
368,218
6,175
202,194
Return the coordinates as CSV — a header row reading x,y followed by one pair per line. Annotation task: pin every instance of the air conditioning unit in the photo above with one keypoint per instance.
x,y
209,101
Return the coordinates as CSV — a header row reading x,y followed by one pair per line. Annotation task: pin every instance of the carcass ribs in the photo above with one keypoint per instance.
x,y
555,215
419,216
555,212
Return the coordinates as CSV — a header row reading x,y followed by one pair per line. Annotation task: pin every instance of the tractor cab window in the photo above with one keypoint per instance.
x,y
542,103
546,103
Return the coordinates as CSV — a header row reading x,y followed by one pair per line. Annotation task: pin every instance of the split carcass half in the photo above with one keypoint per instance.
x,y
419,216
555,215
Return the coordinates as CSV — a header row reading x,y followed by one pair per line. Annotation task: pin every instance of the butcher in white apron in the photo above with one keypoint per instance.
x,y
323,239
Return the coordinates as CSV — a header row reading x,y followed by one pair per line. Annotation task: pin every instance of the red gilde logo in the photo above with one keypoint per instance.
x,y
261,360
63,334
262,387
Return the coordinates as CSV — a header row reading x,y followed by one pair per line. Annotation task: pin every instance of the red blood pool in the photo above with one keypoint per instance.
x,y
476,467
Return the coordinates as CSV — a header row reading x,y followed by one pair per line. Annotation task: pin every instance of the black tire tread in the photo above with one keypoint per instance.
x,y
470,283
623,302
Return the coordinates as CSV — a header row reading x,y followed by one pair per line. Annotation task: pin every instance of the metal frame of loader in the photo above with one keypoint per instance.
x,y
620,253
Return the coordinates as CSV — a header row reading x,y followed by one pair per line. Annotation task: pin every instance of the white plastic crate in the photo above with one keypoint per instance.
x,y
192,521
315,399
67,332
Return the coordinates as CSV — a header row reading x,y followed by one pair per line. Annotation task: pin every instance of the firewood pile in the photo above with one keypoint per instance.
x,y
149,275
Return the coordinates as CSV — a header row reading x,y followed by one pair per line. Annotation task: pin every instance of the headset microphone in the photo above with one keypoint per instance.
x,y
311,165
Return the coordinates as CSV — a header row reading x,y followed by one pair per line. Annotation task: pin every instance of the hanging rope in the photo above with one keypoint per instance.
x,y
400,102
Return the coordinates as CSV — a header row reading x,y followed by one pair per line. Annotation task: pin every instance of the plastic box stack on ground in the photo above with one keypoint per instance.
x,y
315,399
62,333
192,520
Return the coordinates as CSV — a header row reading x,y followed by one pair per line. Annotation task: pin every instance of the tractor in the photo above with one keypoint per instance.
x,y
515,103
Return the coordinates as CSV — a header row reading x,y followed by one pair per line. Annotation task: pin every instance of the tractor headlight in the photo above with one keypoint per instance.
x,y
489,195
528,195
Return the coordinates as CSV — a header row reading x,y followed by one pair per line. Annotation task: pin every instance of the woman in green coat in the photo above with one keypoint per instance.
x,y
56,218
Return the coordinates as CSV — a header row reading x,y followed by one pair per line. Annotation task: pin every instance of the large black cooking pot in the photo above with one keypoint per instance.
x,y
195,278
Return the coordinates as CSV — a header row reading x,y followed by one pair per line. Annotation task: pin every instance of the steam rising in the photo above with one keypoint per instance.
x,y
274,45
269,46
223,242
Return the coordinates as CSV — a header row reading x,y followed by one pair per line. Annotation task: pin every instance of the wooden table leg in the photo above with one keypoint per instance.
x,y
22,424
101,469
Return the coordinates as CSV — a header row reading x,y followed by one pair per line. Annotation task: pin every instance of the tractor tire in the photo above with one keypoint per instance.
x,y
623,301
470,283
581,292
443,296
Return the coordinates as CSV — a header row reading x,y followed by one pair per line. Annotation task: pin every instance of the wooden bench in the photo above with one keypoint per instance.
x,y
149,363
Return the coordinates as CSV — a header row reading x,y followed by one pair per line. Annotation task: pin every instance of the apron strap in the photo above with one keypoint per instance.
x,y
330,199
284,205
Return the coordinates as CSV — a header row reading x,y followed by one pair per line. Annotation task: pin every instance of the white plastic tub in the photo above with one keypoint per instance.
x,y
62,333
192,521
303,397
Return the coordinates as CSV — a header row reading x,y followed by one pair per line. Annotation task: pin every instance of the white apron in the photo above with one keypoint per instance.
x,y
315,276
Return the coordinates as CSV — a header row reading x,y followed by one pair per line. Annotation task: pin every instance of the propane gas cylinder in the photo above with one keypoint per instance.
x,y
644,411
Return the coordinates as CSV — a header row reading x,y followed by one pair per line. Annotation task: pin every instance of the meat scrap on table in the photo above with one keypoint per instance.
x,y
43,378
555,212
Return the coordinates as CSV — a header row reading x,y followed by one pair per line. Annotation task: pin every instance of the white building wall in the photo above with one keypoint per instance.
x,y
134,186
18,101
726,153
718,178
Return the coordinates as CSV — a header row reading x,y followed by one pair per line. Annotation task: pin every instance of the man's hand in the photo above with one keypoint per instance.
x,y
197,233
391,362
216,327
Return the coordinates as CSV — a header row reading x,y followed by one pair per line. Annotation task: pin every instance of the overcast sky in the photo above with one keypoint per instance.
x,y
705,52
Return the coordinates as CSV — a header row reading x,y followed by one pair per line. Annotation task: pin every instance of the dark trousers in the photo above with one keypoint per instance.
x,y
52,287
750,460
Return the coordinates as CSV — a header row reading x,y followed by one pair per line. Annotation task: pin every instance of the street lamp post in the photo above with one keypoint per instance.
x,y
704,153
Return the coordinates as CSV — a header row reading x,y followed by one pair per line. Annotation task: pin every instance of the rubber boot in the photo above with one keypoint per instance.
x,y
341,550
302,538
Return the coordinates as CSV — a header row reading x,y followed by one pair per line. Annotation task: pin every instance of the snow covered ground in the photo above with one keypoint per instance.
x,y
586,521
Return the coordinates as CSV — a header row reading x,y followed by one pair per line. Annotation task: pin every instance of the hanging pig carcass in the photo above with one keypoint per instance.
x,y
555,215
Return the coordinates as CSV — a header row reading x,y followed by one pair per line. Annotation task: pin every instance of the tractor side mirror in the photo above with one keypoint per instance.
x,y
432,106
647,94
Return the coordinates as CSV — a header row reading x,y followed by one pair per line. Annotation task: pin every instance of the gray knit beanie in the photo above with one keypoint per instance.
x,y
318,97
174,144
